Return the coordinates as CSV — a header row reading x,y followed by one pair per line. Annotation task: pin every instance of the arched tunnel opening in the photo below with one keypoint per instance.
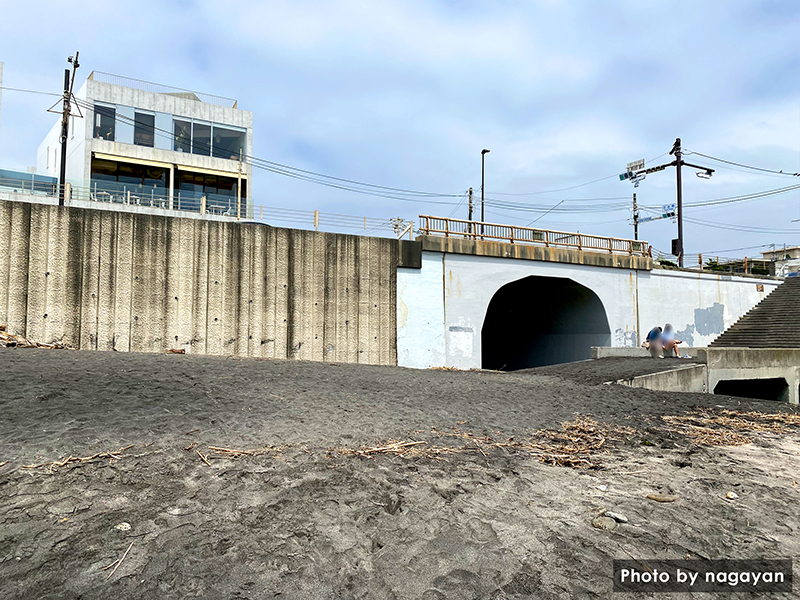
x,y
539,321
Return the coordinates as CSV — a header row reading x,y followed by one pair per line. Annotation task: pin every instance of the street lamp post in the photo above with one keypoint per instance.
x,y
484,152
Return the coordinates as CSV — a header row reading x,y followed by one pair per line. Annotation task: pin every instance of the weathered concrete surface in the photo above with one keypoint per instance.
x,y
533,252
698,354
755,363
690,378
133,282
442,308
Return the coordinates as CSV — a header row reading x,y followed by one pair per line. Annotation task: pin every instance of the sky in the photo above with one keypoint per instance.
x,y
406,94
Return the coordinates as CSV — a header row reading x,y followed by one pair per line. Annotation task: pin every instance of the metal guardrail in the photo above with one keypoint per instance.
x,y
28,186
477,230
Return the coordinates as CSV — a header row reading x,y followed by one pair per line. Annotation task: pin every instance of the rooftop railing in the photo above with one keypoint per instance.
x,y
158,88
477,230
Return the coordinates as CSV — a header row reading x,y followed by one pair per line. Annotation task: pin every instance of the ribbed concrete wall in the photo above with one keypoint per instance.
x,y
131,282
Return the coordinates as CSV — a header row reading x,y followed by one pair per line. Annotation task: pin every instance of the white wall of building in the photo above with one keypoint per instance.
x,y
441,307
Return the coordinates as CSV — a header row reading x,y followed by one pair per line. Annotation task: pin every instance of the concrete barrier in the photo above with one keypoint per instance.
x,y
698,354
691,378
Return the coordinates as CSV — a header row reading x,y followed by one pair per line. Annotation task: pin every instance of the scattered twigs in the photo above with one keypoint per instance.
x,y
236,453
9,340
203,458
711,427
117,563
578,444
115,455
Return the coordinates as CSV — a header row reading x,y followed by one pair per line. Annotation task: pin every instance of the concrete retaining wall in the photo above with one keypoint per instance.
x,y
134,282
691,378
698,354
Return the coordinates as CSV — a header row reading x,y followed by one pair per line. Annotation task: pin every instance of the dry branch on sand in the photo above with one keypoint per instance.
x,y
117,563
576,445
729,427
115,455
9,340
235,453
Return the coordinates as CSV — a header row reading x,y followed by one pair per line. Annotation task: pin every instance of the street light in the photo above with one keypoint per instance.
x,y
484,152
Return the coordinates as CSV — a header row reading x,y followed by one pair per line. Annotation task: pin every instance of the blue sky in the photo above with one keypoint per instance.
x,y
406,94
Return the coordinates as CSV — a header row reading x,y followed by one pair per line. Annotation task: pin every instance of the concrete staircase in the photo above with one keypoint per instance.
x,y
772,323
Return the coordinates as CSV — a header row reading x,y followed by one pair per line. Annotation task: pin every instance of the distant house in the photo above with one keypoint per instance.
x,y
151,145
785,261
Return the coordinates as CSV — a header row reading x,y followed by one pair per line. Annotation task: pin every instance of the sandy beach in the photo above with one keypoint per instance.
x,y
193,476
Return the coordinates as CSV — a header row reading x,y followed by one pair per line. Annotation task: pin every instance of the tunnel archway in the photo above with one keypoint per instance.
x,y
539,321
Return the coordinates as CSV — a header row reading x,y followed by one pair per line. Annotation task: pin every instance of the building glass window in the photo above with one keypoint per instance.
x,y
104,122
183,136
228,143
144,126
201,139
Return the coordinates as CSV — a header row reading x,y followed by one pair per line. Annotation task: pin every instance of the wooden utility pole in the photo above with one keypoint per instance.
x,y
469,217
65,112
635,219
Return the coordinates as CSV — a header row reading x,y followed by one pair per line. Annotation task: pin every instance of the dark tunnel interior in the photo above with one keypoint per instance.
x,y
775,388
539,321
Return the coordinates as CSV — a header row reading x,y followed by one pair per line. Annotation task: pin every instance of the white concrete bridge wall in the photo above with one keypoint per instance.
x,y
441,307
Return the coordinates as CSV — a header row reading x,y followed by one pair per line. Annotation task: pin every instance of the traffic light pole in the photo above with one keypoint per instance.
x,y
635,219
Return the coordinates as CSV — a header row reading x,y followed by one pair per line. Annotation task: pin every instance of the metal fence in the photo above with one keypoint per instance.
x,y
477,230
28,185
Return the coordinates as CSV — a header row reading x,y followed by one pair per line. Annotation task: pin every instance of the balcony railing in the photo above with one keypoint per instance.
x,y
477,230
27,184
112,192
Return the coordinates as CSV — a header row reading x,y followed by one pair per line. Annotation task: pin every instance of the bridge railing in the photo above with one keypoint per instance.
x,y
477,230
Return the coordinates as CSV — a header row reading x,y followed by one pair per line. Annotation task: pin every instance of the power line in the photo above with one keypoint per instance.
x,y
730,162
569,188
313,177
11,89
741,228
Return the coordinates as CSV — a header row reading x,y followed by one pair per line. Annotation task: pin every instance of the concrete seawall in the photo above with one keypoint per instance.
x,y
135,282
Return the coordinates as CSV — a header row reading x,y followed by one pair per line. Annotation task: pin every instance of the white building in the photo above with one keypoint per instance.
x,y
786,259
145,144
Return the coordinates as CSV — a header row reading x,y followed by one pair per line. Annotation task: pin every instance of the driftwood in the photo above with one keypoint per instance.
x,y
116,455
235,453
578,444
9,340
710,427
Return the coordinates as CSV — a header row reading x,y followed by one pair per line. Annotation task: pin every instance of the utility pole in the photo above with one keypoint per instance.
x,y
676,150
484,152
635,219
636,173
469,218
65,111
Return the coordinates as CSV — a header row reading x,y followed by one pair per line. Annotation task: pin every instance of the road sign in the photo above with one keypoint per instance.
x,y
636,165
668,210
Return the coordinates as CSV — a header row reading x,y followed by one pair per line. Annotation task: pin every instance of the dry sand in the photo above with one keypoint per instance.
x,y
306,518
